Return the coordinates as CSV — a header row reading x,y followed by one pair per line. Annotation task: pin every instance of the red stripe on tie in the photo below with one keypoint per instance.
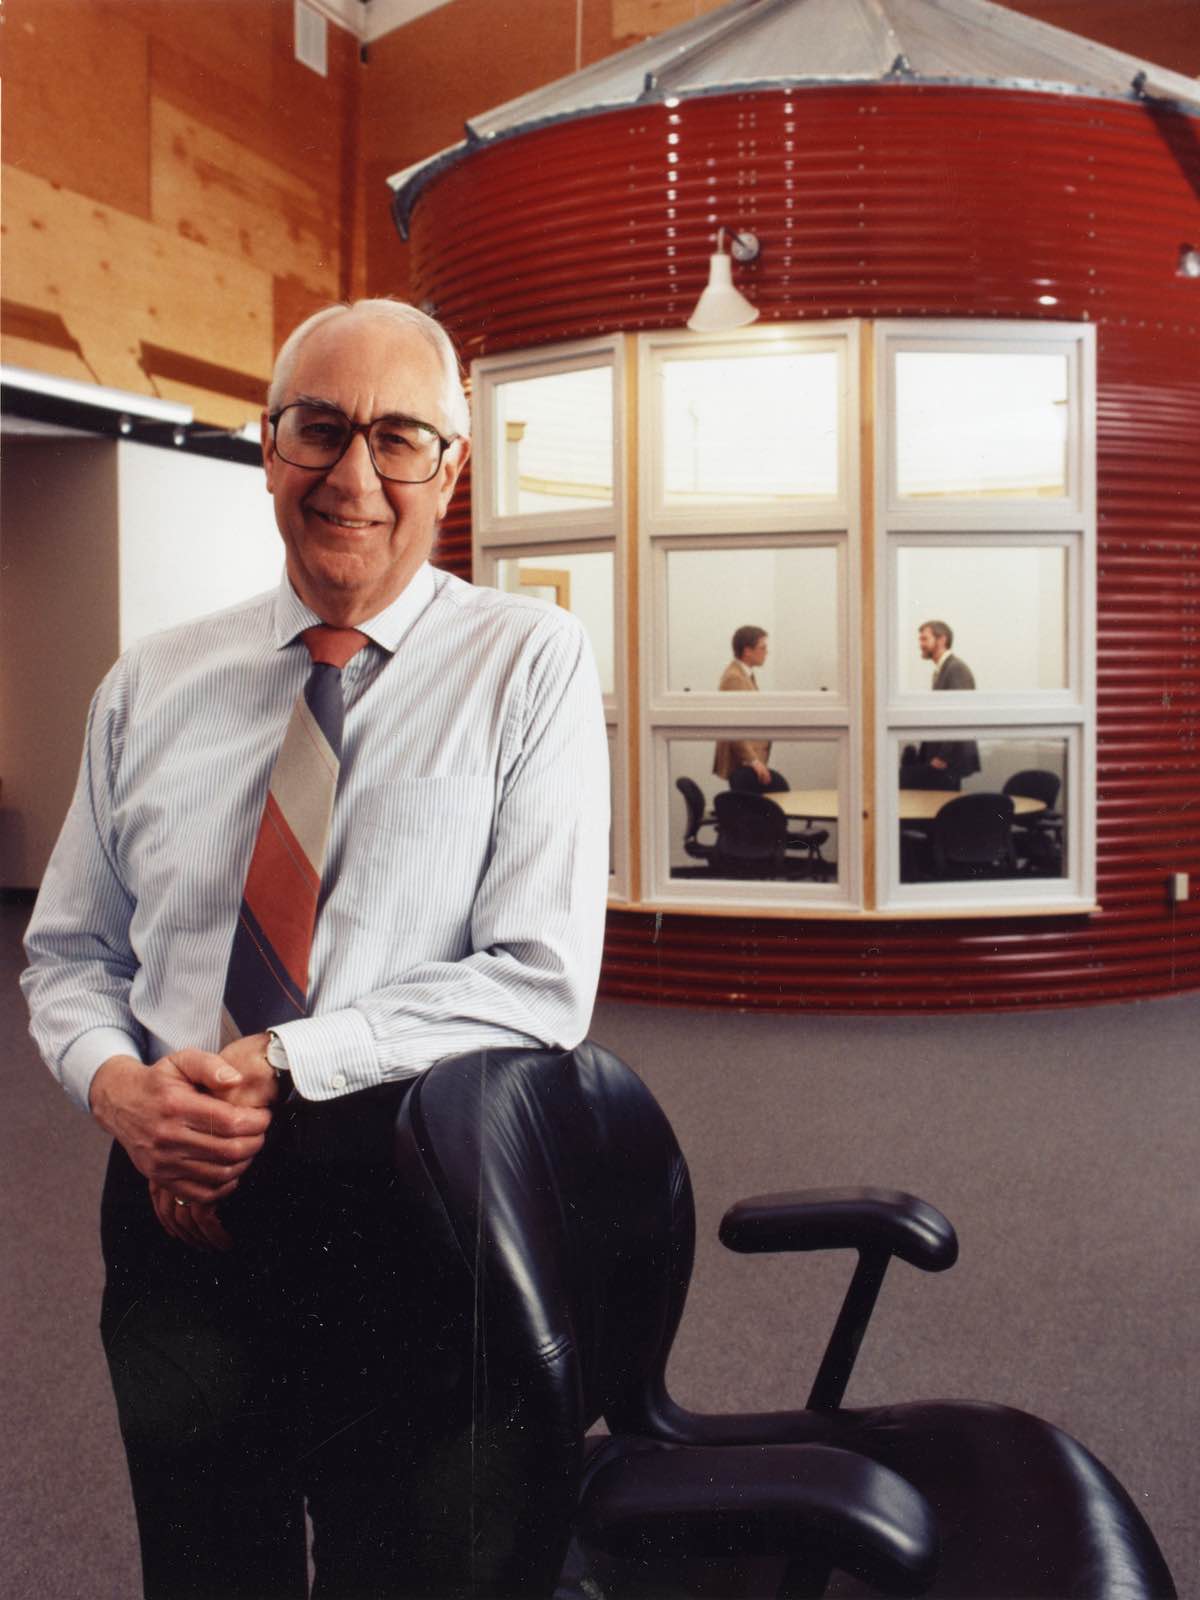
x,y
333,646
281,890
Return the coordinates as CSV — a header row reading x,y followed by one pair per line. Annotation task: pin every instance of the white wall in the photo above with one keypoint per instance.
x,y
58,631
1006,607
790,593
195,535
104,543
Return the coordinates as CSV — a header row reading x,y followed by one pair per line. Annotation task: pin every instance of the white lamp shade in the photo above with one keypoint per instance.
x,y
721,306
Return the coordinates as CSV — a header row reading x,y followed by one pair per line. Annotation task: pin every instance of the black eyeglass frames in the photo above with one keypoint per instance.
x,y
402,449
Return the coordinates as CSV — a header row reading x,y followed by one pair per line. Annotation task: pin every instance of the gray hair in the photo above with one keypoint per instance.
x,y
457,413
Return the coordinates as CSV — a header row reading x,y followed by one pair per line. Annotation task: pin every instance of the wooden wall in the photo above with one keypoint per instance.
x,y
179,191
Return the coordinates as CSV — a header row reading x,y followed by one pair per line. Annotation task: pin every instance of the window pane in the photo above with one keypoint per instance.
x,y
979,841
554,442
761,429
579,582
792,594
784,848
981,426
1006,607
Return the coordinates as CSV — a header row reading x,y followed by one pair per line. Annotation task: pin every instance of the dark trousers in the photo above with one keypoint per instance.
x,y
324,1360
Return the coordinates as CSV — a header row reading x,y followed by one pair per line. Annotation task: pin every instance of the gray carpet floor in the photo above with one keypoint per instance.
x,y
1064,1146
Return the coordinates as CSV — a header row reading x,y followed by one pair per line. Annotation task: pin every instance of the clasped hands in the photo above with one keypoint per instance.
x,y
192,1123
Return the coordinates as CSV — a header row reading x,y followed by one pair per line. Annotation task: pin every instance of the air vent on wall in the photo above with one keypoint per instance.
x,y
311,29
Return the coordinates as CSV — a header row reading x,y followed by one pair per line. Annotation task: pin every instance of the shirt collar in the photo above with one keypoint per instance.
x,y
387,629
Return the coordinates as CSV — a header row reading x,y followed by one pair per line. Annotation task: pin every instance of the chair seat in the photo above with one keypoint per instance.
x,y
1022,1508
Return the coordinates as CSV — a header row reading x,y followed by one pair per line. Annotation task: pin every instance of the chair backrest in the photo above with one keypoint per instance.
x,y
973,832
751,831
919,775
744,780
693,799
1035,784
553,1187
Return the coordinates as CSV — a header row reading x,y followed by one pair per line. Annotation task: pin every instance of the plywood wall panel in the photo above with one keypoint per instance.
x,y
210,189
638,19
252,120
293,301
117,281
231,40
75,99
290,115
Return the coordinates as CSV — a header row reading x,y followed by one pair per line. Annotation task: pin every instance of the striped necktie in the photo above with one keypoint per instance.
x,y
267,979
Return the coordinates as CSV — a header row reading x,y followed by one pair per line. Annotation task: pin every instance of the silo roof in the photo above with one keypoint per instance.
x,y
765,44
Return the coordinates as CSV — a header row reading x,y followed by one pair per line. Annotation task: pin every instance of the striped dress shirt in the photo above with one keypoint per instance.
x,y
465,880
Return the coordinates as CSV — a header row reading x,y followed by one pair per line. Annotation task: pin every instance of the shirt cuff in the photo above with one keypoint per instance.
x,y
84,1057
331,1055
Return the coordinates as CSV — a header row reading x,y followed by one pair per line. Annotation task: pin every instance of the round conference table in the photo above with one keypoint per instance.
x,y
916,805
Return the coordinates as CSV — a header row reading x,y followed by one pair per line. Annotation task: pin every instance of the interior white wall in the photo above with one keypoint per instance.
x,y
1000,758
58,623
196,535
1005,606
772,589
104,543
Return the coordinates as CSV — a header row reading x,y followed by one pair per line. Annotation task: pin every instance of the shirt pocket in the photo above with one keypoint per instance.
x,y
415,854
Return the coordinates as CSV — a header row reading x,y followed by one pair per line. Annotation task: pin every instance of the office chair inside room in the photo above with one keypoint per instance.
x,y
744,780
754,841
918,774
800,836
693,799
555,1190
1038,835
971,837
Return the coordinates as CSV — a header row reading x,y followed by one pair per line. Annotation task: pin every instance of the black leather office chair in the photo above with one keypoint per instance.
x,y
555,1190
1038,836
918,774
754,840
744,780
971,837
693,799
800,837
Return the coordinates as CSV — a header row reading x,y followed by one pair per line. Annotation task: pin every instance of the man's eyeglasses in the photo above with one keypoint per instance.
x,y
316,438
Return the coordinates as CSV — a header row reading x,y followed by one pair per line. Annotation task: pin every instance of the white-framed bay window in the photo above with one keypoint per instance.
x,y
549,508
985,521
835,485
749,517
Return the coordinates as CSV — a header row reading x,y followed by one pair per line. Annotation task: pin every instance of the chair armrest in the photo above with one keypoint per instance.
x,y
815,1505
870,1220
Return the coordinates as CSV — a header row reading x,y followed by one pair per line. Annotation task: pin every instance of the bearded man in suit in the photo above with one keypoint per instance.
x,y
941,763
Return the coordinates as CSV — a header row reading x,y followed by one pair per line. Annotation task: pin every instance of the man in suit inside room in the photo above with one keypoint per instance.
x,y
941,763
743,763
319,841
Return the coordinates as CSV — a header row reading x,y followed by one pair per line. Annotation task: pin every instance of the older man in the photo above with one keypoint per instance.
x,y
438,808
